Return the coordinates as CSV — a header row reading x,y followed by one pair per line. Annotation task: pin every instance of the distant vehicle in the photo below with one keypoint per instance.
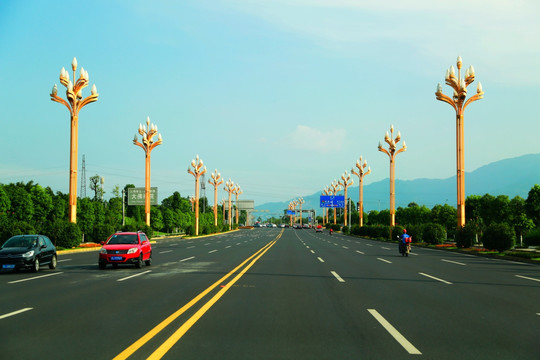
x,y
126,248
28,252
319,229
297,226
257,225
306,226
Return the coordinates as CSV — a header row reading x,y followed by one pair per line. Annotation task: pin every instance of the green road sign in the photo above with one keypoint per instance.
x,y
136,196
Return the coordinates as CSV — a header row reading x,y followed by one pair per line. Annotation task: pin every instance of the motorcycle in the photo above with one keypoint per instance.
x,y
404,249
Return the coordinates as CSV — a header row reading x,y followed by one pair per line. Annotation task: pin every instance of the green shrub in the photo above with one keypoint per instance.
x,y
466,236
532,238
148,230
130,228
499,237
433,233
345,229
102,232
68,234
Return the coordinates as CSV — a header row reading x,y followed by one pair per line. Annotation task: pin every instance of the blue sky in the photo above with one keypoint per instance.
x,y
280,96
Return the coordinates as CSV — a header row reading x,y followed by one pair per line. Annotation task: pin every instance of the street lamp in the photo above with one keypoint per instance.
x,y
336,187
361,173
392,153
197,171
229,187
215,181
237,191
192,202
291,209
74,103
325,210
346,181
300,202
147,132
459,104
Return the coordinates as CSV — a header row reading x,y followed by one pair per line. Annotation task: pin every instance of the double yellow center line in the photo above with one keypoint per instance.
x,y
173,339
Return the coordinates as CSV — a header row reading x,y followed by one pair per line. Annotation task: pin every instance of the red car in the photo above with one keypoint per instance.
x,y
126,248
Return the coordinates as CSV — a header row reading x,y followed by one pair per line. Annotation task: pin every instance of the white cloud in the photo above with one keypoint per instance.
x,y
316,140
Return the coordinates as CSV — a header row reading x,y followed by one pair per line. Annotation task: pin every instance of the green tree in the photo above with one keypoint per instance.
x,y
22,208
86,217
43,205
444,215
156,218
532,204
5,203
95,186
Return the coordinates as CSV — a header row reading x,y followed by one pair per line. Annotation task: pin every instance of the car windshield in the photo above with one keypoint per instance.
x,y
21,242
123,239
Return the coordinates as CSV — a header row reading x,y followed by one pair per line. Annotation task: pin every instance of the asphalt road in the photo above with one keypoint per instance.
x,y
274,294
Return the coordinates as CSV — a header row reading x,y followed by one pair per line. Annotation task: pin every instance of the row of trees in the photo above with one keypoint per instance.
x,y
31,208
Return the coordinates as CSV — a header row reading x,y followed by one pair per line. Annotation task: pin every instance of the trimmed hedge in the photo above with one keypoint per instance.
x,y
532,238
499,237
466,236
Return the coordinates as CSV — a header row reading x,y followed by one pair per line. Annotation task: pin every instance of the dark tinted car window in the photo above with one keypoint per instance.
x,y
21,241
123,239
143,237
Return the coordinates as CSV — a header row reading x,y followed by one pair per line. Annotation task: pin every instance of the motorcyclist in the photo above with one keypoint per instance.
x,y
405,240
331,231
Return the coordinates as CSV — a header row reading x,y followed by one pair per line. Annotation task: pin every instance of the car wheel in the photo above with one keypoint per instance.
x,y
52,264
149,261
102,265
138,264
35,266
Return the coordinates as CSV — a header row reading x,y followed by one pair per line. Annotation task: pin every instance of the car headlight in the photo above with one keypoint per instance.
x,y
132,250
29,254
103,251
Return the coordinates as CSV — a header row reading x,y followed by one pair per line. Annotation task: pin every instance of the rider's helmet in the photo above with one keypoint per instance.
x,y
404,231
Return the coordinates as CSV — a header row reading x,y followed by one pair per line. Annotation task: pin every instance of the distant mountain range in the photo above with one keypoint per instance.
x,y
512,177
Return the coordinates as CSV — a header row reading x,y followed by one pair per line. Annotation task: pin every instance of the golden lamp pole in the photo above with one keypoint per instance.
x,y
346,181
459,104
336,187
229,187
147,132
326,191
223,202
215,181
392,153
300,202
197,171
294,204
74,103
291,208
361,173
237,191
192,201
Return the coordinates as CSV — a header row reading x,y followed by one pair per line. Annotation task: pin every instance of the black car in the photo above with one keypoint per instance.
x,y
27,251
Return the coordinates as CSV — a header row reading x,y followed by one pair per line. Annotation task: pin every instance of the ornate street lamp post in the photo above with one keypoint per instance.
x,y
237,191
361,173
147,132
291,208
74,103
300,202
192,202
197,171
346,181
229,187
392,153
336,187
215,181
458,102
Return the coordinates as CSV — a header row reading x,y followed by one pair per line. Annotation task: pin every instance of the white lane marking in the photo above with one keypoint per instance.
x,y
190,247
14,313
63,260
435,278
453,262
166,251
395,334
307,247
344,247
226,247
386,261
358,251
238,244
212,251
369,245
132,276
186,259
385,248
321,260
313,252
34,278
206,244
337,276
528,278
